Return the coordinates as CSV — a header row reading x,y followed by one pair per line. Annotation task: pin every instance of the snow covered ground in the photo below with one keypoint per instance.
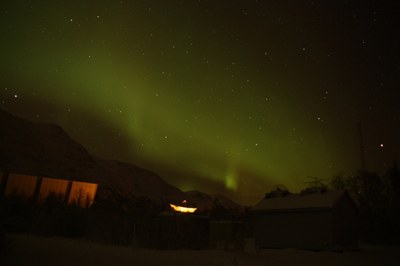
x,y
32,250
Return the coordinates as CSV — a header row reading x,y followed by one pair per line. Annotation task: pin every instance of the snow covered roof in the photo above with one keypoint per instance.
x,y
317,200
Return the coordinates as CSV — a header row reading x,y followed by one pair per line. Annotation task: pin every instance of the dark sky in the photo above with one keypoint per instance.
x,y
229,97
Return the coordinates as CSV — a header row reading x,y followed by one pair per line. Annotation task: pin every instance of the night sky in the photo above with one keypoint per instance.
x,y
229,97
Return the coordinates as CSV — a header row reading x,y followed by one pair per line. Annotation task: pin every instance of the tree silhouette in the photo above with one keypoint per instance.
x,y
378,200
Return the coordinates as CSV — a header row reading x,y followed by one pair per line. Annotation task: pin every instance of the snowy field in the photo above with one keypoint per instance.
x,y
31,250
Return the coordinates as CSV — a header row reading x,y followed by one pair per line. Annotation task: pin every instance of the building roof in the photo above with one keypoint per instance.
x,y
317,200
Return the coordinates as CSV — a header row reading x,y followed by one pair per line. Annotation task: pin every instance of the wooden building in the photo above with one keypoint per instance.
x,y
314,219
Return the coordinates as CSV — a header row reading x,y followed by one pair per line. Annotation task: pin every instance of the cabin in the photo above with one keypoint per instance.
x,y
315,219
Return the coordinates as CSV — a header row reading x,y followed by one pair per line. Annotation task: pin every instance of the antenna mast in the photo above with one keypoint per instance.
x,y
362,148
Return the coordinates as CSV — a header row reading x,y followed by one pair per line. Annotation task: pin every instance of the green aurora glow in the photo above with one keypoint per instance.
x,y
229,97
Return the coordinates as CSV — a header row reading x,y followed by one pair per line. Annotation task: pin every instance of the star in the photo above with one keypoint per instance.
x,y
194,80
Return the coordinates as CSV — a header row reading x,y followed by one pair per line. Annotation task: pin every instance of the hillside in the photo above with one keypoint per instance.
x,y
46,150
207,202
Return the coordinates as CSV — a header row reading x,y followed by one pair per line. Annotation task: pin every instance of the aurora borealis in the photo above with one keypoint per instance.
x,y
229,97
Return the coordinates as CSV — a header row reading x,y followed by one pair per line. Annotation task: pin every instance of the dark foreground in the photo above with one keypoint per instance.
x,y
32,250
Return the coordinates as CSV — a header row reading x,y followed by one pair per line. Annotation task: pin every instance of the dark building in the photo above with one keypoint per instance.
x,y
313,219
182,230
227,235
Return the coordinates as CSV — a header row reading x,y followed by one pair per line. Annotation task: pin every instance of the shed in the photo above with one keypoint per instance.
x,y
315,219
